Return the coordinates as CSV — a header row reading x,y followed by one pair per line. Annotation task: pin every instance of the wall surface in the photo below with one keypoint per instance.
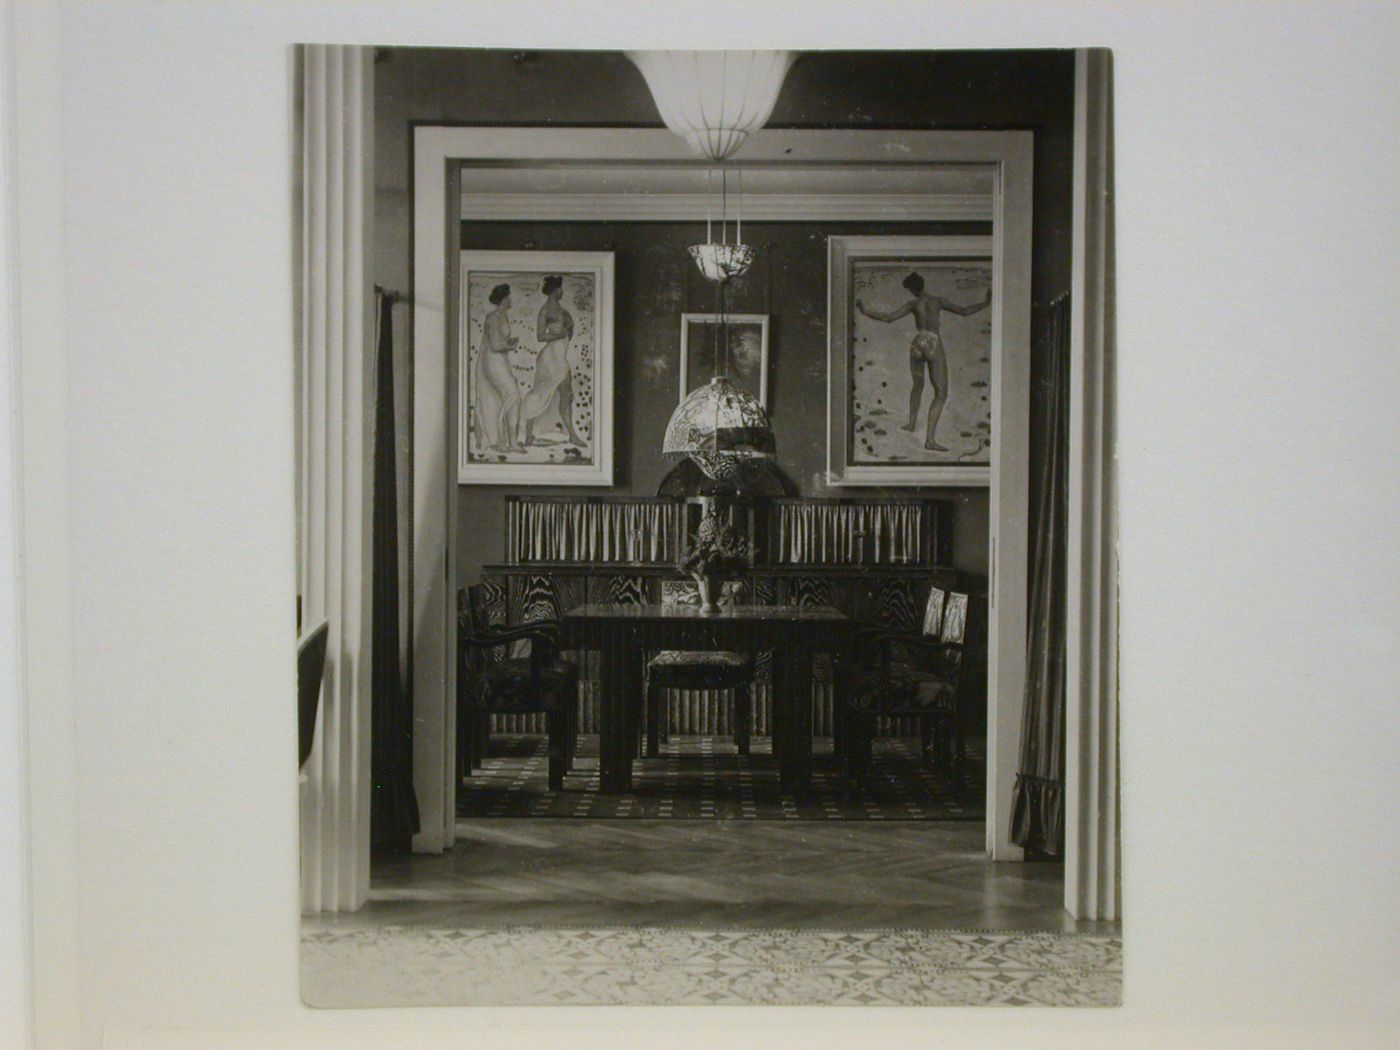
x,y
886,90
655,283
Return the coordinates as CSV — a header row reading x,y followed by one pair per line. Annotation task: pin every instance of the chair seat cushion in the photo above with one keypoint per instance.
x,y
509,685
685,658
910,690
684,669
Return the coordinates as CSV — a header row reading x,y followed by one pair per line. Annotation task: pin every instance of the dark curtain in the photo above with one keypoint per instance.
x,y
1038,809
394,809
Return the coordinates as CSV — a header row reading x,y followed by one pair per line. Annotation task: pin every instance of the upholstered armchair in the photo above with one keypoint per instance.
x,y
915,675
490,680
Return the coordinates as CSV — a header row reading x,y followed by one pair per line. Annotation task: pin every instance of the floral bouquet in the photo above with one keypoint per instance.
x,y
717,549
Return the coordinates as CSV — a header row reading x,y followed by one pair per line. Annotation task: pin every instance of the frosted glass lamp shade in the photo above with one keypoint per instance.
x,y
714,99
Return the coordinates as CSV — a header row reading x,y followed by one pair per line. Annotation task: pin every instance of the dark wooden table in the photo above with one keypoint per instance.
x,y
623,635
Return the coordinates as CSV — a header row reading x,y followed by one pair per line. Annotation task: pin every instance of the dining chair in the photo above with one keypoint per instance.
x,y
492,681
702,671
900,674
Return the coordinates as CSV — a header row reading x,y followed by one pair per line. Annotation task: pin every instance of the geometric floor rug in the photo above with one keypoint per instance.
x,y
705,778
435,966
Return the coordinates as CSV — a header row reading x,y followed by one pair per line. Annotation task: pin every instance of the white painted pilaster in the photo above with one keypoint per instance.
x,y
1091,666
335,418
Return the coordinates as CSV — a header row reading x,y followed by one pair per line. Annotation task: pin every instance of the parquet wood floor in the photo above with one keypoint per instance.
x,y
712,874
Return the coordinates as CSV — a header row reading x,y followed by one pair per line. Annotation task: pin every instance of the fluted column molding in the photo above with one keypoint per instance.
x,y
1091,658
335,456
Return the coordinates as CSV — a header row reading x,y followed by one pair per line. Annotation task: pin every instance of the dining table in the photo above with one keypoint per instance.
x,y
624,637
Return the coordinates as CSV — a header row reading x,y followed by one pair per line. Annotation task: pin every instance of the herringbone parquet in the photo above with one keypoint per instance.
x,y
765,874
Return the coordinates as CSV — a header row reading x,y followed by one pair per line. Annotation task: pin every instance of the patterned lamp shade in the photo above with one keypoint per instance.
x,y
720,428
720,262
714,99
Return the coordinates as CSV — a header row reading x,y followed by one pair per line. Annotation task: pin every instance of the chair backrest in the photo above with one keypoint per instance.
x,y
955,631
954,619
933,613
311,666
473,618
468,611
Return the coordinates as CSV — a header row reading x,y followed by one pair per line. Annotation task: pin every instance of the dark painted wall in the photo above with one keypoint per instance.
x,y
917,90
655,283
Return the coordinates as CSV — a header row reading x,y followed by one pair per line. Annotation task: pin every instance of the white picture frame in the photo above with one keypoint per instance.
x,y
697,359
512,430
973,346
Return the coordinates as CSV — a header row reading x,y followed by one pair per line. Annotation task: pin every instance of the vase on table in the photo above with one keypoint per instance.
x,y
708,585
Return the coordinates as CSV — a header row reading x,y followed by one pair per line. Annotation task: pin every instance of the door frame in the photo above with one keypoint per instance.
x,y
438,152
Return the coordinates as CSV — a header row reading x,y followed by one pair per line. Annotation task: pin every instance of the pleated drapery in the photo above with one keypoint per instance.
x,y
393,808
1038,807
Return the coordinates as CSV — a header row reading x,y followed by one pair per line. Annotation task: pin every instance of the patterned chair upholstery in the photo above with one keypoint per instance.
x,y
491,680
702,670
915,675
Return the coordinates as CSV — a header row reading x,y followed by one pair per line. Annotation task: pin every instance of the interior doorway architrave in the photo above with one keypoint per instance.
x,y
439,154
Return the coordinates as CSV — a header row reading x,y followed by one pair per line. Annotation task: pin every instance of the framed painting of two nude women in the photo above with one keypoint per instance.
x,y
910,360
535,368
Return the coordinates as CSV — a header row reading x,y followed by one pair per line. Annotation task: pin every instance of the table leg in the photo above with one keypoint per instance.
x,y
778,678
633,662
792,702
615,740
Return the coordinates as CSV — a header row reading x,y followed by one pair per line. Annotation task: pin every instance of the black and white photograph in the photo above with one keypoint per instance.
x,y
775,712
741,524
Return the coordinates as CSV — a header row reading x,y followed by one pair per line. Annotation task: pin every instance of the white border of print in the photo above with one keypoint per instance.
x,y
841,253
600,471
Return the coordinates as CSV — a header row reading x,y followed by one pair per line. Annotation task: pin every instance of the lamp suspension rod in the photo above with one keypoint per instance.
x,y
709,204
739,209
724,205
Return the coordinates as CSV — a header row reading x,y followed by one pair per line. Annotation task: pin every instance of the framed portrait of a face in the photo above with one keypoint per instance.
x,y
740,345
535,358
910,360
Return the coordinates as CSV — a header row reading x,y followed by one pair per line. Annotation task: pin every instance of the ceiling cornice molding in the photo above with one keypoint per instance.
x,y
757,207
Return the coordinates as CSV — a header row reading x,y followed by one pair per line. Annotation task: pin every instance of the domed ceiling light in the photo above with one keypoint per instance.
x,y
714,99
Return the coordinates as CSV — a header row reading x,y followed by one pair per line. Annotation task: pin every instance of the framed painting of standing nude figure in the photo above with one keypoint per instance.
x,y
910,360
535,368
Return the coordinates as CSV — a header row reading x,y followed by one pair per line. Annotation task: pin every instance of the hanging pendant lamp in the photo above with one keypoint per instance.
x,y
721,261
714,99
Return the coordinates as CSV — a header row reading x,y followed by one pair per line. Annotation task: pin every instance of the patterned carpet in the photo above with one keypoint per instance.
x,y
435,966
704,778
